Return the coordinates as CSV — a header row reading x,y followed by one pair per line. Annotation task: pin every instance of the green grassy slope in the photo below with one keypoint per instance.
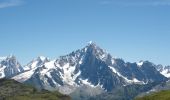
x,y
12,90
162,95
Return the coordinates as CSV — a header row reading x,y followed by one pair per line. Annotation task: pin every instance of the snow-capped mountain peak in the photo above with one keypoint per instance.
x,y
90,42
94,49
9,66
140,63
3,58
36,62
42,58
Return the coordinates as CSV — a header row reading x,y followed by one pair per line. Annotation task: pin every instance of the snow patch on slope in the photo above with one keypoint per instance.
x,y
140,63
166,73
68,74
134,80
48,66
2,75
113,61
24,76
86,82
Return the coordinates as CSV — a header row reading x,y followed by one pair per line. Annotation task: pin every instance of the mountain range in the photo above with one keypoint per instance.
x,y
90,70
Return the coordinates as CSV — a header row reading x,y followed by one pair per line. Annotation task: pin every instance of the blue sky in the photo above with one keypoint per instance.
x,y
130,29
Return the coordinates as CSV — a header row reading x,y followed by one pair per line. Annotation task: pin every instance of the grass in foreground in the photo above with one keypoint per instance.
x,y
162,95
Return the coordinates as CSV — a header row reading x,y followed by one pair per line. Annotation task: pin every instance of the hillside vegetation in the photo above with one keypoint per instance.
x,y
12,90
162,95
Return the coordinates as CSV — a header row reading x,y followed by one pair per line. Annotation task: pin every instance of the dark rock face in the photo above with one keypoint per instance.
x,y
57,78
151,74
98,72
